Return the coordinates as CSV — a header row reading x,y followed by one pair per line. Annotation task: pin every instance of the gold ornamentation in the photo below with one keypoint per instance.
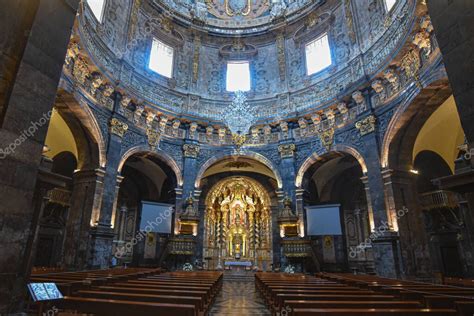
x,y
411,64
197,53
59,196
327,138
287,151
239,140
191,151
281,56
366,125
134,18
117,127
312,19
349,21
154,137
230,12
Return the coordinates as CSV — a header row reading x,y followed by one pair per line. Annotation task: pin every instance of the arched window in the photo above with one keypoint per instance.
x,y
97,7
318,55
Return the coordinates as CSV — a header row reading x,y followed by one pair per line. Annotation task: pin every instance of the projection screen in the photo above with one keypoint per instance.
x,y
323,220
156,217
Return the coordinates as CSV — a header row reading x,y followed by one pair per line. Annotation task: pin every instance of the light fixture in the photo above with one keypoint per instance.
x,y
239,117
414,171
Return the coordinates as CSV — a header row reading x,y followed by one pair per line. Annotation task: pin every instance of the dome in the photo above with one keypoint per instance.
x,y
237,17
203,37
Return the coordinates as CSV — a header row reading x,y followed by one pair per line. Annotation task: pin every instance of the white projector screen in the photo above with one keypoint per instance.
x,y
156,217
323,220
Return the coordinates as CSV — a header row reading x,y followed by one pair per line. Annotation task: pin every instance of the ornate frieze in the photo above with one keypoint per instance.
x,y
191,151
366,126
118,127
287,150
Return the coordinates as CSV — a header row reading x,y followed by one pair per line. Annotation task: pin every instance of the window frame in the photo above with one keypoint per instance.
x,y
100,19
237,61
314,39
154,71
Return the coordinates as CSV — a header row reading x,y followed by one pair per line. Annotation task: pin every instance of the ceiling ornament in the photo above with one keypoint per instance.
x,y
237,9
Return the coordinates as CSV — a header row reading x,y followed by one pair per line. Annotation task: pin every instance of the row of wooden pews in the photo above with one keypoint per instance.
x,y
69,282
331,294
171,293
432,296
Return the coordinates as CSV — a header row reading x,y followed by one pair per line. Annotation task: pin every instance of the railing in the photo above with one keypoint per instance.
x,y
181,246
438,199
296,248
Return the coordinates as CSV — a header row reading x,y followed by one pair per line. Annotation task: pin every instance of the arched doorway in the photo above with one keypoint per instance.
x,y
147,178
336,178
238,224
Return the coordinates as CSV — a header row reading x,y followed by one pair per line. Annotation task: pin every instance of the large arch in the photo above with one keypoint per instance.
x,y
83,122
244,154
159,154
408,120
315,157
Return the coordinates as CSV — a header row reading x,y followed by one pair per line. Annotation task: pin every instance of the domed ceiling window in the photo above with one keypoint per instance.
x,y
389,4
318,55
97,8
161,58
238,76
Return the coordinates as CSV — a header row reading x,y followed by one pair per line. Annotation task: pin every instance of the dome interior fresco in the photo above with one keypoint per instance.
x,y
365,40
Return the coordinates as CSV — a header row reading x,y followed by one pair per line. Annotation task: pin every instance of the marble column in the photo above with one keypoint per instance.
x,y
453,26
383,238
402,201
85,202
29,74
102,232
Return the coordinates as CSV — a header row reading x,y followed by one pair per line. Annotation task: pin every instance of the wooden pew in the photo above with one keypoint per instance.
x,y
372,312
123,308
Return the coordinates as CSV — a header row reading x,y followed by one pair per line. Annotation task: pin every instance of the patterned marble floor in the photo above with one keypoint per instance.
x,y
238,297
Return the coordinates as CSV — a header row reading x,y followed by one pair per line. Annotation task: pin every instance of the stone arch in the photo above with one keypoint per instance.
x,y
408,120
159,153
245,154
83,123
336,148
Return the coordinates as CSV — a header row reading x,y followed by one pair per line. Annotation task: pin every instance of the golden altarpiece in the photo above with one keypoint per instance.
x,y
238,224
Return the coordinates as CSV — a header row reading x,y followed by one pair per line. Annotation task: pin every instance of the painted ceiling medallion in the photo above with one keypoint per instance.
x,y
244,9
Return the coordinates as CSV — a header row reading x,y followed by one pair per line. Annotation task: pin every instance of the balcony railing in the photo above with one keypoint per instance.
x,y
438,199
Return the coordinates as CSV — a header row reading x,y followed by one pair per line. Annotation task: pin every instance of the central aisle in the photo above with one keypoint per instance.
x,y
239,296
